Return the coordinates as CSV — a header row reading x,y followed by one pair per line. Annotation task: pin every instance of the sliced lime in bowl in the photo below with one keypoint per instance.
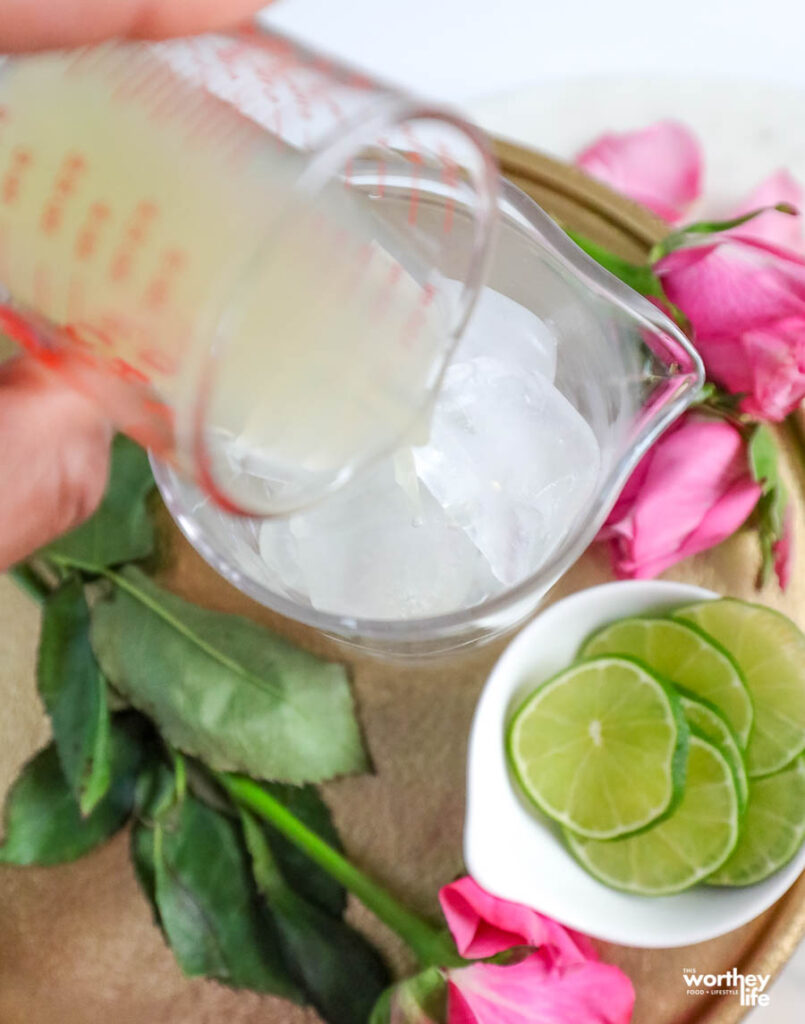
x,y
683,654
695,840
707,720
773,829
770,652
601,748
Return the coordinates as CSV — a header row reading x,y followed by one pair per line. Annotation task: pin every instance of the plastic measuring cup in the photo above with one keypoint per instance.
x,y
192,233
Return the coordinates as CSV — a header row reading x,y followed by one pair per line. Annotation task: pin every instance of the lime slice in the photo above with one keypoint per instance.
x,y
684,848
773,829
770,651
682,654
601,747
705,719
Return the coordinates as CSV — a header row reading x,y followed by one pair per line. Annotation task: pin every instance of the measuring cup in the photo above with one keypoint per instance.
x,y
189,233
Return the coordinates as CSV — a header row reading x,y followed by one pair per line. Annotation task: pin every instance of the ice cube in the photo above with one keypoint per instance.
x,y
506,330
374,551
510,461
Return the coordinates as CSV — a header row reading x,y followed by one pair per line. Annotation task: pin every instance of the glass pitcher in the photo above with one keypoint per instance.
x,y
385,395
562,380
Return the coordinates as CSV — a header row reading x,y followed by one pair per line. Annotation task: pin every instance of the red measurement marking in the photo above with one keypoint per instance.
x,y
159,411
72,169
79,341
126,371
358,81
160,287
157,359
120,269
123,329
135,235
236,53
381,304
161,87
449,175
87,240
132,85
21,160
87,335
276,45
415,321
25,333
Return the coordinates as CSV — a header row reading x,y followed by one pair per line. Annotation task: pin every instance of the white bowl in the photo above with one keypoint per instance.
x,y
514,853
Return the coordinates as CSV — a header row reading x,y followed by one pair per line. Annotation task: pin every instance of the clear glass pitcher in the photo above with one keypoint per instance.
x,y
562,380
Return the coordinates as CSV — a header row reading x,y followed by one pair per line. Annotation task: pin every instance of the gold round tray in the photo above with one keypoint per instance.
x,y
77,943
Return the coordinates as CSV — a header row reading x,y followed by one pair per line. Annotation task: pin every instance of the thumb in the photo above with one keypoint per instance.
x,y
54,458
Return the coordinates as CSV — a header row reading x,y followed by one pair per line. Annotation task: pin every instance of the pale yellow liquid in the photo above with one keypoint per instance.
x,y
159,226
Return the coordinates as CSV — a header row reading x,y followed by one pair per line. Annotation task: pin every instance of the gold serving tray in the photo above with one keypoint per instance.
x,y
77,943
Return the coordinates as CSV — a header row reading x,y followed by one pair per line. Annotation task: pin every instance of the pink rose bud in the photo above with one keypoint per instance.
x,y
557,977
691,490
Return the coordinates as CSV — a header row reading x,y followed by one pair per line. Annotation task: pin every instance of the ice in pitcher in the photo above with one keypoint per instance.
x,y
482,505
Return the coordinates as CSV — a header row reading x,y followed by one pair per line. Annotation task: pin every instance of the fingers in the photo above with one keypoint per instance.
x,y
33,24
54,458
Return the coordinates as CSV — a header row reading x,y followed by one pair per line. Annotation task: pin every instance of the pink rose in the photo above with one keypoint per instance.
x,y
743,290
555,975
746,301
690,491
561,981
660,166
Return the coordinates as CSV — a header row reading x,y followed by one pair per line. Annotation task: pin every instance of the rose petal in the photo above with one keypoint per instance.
x,y
778,228
528,993
776,362
483,925
696,492
659,166
726,516
733,286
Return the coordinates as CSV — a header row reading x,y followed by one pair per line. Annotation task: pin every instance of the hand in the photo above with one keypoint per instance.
x,y
54,445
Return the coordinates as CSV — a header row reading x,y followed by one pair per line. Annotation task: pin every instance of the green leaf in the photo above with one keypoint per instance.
x,y
638,276
141,850
342,973
691,234
43,824
207,903
381,1011
763,459
121,529
302,874
74,692
421,999
153,796
224,689
770,511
